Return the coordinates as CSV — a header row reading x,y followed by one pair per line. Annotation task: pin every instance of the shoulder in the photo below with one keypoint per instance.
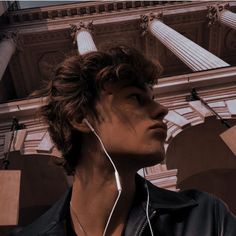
x,y
202,197
192,198
199,196
211,204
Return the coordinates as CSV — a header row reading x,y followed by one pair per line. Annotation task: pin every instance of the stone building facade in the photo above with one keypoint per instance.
x,y
194,41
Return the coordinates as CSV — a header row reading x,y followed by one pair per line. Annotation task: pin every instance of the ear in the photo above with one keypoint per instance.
x,y
81,125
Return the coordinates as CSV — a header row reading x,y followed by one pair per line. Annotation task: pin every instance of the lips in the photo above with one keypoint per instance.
x,y
159,125
160,129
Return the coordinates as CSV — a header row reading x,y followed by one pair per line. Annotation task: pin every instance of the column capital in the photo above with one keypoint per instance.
x,y
75,28
214,12
146,19
14,36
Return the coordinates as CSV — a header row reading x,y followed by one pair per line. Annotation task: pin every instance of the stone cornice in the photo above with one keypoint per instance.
x,y
166,87
203,79
20,108
40,19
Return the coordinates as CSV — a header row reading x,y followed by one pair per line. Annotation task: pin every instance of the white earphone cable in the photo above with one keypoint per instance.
x,y
117,177
147,204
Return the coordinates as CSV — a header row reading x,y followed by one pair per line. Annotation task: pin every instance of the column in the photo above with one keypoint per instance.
x,y
7,49
194,56
82,36
220,13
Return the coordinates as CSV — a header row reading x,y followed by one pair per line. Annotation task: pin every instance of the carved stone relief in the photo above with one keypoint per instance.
x,y
49,36
48,61
127,38
185,18
115,27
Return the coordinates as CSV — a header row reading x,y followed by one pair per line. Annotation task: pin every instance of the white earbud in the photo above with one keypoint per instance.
x,y
88,124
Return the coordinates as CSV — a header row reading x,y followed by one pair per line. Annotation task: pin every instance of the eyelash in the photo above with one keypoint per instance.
x,y
135,96
139,98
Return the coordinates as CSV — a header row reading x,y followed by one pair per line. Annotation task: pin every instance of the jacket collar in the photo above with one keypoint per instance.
x,y
161,201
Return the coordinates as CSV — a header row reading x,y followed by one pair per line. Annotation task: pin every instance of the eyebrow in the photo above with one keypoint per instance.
x,y
139,86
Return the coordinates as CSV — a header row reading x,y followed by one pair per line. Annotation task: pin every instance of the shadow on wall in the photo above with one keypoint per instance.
x,y
42,184
204,161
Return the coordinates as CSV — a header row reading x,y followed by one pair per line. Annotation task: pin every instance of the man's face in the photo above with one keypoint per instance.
x,y
130,124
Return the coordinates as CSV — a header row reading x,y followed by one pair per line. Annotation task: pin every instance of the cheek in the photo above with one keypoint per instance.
x,y
131,119
124,127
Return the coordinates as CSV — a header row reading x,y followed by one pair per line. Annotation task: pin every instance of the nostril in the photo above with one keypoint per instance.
x,y
164,111
160,111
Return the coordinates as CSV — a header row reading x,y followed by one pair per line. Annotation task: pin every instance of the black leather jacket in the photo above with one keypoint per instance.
x,y
187,213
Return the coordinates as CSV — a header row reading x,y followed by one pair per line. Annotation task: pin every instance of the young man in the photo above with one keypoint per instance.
x,y
103,118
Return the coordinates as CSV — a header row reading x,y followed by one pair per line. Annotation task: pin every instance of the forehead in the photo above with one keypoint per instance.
x,y
126,86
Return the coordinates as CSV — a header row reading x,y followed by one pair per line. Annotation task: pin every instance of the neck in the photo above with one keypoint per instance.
x,y
94,194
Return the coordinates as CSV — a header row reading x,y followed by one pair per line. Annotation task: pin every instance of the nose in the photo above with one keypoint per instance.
x,y
159,111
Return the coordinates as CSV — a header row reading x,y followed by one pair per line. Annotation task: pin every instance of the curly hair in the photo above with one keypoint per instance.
x,y
76,84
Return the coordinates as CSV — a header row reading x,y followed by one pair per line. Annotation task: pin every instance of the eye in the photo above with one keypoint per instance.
x,y
136,97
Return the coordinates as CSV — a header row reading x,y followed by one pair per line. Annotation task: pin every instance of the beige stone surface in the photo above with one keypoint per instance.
x,y
9,196
229,137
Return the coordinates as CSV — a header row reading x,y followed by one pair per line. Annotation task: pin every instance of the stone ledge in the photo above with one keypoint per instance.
x,y
82,9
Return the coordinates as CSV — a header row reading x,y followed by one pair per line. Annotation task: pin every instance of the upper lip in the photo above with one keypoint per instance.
x,y
160,125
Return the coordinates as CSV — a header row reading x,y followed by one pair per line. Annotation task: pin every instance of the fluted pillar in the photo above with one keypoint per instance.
x,y
7,49
220,13
194,56
82,36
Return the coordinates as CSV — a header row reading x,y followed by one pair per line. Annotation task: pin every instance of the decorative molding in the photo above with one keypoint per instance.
x,y
115,27
200,108
55,17
184,83
49,36
186,18
231,104
214,12
82,10
161,177
14,36
9,35
146,19
48,61
127,38
75,28
31,141
176,119
194,113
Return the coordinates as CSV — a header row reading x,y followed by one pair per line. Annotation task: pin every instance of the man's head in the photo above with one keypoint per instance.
x,y
113,91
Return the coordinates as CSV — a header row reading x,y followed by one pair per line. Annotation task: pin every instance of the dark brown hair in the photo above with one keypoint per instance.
x,y
76,84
